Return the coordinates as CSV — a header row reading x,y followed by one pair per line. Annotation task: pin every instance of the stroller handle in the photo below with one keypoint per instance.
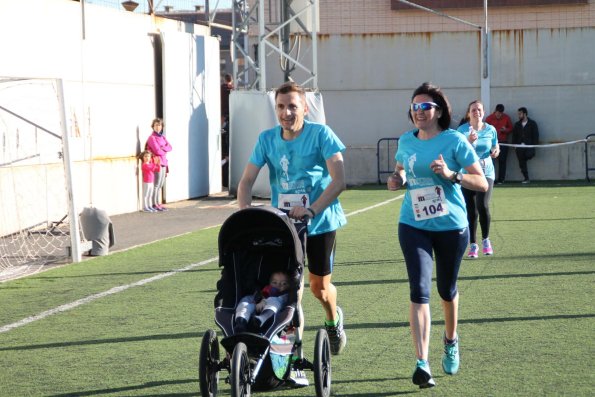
x,y
305,219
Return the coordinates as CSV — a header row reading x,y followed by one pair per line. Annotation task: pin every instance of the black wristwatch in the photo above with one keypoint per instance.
x,y
457,177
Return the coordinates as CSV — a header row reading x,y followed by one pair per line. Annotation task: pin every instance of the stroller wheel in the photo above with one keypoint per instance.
x,y
240,371
322,364
208,363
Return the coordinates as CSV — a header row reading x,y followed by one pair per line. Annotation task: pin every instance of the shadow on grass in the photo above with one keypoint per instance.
x,y
313,328
542,220
468,321
373,381
467,278
118,274
144,338
146,385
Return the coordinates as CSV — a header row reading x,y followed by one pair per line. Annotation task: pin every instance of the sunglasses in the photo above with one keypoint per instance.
x,y
423,106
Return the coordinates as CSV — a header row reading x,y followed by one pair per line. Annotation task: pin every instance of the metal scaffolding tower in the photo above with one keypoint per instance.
x,y
262,29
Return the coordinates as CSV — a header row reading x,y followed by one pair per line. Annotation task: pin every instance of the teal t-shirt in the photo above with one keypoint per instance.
x,y
299,167
487,139
432,202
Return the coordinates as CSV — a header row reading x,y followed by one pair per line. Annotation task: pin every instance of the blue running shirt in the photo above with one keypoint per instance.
x,y
299,167
423,185
487,138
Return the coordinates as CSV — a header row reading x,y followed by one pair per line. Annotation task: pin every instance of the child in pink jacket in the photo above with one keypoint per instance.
x,y
150,165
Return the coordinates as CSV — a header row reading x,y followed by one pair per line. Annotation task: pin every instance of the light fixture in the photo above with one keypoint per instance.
x,y
129,5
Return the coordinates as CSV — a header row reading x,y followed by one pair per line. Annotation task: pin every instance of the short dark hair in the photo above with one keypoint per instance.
x,y
524,110
288,87
438,98
499,108
156,121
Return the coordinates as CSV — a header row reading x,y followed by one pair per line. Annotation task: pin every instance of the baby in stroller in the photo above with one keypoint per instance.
x,y
256,312
260,248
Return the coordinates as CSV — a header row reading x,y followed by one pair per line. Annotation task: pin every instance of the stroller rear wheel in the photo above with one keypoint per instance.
x,y
240,371
322,364
208,363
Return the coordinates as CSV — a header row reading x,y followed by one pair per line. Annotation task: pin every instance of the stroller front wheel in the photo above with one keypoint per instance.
x,y
208,363
322,364
240,371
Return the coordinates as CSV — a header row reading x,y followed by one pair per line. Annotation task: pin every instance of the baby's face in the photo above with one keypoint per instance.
x,y
280,281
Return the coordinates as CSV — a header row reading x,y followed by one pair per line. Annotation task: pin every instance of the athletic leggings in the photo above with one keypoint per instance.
x,y
419,247
478,203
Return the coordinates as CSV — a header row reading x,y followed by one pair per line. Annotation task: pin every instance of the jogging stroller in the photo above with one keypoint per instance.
x,y
254,243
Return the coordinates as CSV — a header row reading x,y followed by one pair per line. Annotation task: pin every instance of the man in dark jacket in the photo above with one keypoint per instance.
x,y
525,132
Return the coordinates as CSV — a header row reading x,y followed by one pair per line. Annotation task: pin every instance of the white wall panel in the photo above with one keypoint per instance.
x,y
191,100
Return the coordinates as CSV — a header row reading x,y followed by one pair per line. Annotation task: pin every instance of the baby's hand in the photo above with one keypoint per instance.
x,y
260,306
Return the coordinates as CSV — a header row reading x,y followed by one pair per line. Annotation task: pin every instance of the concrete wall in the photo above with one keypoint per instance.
x,y
367,82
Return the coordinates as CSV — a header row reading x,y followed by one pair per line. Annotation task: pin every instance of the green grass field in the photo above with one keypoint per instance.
x,y
527,314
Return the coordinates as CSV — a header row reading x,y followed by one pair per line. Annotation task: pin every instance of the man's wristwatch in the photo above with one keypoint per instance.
x,y
456,177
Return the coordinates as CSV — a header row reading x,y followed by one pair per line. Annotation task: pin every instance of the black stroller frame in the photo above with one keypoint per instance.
x,y
254,243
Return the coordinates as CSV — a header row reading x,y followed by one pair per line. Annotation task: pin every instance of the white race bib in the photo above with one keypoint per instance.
x,y
288,201
428,202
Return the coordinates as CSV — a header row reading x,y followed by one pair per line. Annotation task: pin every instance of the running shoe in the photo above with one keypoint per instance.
x,y
422,375
487,247
473,251
298,378
450,359
336,334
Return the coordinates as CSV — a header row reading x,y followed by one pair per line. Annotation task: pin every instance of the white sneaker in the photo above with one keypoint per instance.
x,y
298,379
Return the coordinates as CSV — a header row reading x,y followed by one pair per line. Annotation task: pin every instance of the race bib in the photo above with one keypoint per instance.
x,y
428,202
288,201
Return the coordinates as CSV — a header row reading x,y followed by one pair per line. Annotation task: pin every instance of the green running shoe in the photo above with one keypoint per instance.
x,y
450,359
422,375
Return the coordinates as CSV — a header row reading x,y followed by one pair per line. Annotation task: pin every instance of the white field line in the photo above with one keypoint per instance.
x,y
375,205
115,290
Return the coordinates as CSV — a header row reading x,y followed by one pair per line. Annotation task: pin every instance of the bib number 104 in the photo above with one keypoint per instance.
x,y
433,209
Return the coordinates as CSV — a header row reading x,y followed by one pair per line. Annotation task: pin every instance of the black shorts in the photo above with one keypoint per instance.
x,y
321,253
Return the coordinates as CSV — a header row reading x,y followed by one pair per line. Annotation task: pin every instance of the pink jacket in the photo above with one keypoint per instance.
x,y
149,170
159,146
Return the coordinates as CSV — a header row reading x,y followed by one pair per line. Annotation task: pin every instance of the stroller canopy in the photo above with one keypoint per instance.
x,y
253,243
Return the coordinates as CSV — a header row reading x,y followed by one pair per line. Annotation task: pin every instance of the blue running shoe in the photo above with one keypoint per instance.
x,y
450,359
422,375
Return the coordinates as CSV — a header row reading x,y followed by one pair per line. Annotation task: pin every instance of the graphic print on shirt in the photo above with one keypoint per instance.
x,y
411,162
284,162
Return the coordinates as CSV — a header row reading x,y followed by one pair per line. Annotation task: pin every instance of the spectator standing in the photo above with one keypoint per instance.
x,y
525,132
226,88
159,146
149,167
503,125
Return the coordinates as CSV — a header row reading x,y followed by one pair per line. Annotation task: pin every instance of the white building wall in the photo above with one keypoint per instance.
x,y
111,84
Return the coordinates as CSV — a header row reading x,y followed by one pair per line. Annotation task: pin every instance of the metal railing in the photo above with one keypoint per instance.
x,y
587,168
386,156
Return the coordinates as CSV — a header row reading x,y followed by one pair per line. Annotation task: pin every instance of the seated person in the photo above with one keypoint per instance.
x,y
257,310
